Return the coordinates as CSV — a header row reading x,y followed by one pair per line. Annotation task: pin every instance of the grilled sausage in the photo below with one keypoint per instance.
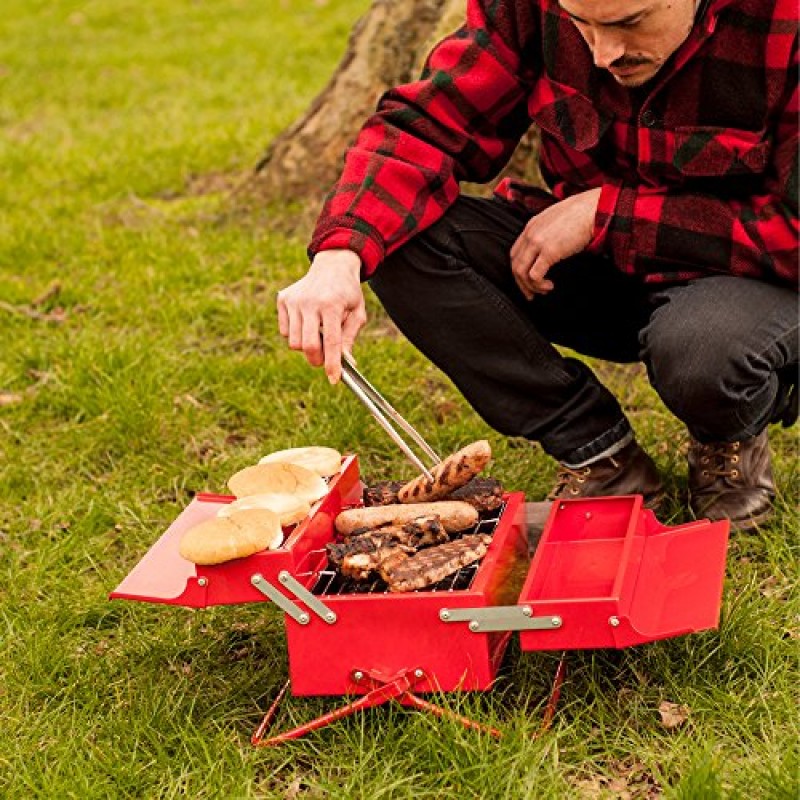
x,y
454,515
456,470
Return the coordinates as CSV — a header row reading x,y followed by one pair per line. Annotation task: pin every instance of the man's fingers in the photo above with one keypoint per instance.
x,y
520,268
537,276
311,339
353,322
283,316
294,334
332,344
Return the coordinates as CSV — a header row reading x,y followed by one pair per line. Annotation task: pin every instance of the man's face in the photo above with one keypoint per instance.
x,y
631,38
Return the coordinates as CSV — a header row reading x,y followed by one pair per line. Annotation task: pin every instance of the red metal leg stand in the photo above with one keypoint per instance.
x,y
399,688
555,693
410,699
377,696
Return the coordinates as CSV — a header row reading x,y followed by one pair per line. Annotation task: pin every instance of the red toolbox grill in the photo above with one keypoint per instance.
x,y
384,633
605,573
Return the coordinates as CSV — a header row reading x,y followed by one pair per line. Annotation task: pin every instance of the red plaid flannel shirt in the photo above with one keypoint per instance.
x,y
698,168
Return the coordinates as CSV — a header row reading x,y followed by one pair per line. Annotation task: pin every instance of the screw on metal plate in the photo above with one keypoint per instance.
x,y
444,614
613,622
304,619
474,626
527,611
202,581
556,622
418,673
283,577
330,617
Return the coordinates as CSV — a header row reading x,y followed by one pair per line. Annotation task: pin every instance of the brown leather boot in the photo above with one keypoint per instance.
x,y
630,471
732,480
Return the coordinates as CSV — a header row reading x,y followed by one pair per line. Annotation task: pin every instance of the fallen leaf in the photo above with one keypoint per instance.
x,y
293,789
58,314
53,290
10,398
673,715
591,788
187,399
772,588
444,410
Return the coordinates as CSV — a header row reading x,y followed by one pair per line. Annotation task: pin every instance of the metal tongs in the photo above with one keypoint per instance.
x,y
384,413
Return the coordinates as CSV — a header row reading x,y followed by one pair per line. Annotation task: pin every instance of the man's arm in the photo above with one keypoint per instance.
x,y
461,121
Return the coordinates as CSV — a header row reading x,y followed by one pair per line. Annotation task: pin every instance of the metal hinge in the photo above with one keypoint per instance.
x,y
300,591
314,603
500,618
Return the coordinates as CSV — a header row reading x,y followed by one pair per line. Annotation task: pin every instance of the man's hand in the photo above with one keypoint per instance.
x,y
327,300
558,232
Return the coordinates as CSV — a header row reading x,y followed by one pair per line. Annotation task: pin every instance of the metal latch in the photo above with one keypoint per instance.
x,y
300,591
280,599
500,618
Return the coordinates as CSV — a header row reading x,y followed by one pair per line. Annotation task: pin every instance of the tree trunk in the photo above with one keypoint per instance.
x,y
387,47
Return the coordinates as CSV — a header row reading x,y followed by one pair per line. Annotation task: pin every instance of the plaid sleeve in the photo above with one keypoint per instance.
x,y
675,234
460,121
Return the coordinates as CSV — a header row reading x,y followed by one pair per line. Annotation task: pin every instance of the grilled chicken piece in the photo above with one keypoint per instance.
x,y
383,493
422,532
406,573
363,553
483,494
361,566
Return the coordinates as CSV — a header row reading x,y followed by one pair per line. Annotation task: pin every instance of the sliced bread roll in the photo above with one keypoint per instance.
x,y
222,539
278,479
325,461
289,508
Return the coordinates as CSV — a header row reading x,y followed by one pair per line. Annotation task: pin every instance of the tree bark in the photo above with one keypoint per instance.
x,y
388,46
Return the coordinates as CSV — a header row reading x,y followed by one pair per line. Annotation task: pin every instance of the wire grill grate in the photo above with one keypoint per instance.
x,y
330,582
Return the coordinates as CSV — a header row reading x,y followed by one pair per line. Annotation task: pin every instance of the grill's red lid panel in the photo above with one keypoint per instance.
x,y
613,576
164,576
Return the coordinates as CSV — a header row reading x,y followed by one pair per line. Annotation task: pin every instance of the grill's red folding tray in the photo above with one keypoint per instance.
x,y
164,576
605,574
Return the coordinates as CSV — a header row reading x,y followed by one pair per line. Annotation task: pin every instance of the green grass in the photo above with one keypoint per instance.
x,y
165,374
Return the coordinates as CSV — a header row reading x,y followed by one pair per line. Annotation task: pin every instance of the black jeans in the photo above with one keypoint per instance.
x,y
721,351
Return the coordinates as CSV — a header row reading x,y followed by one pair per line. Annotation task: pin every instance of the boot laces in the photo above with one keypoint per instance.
x,y
720,459
569,480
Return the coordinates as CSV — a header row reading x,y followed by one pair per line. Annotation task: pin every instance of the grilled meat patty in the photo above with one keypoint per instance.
x,y
404,573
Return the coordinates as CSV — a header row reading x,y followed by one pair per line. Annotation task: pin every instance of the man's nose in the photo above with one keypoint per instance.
x,y
607,47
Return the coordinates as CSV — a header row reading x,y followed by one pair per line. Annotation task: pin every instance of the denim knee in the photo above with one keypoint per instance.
x,y
722,390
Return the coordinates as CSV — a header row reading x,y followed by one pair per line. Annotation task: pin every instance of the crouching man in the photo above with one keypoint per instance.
x,y
669,141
